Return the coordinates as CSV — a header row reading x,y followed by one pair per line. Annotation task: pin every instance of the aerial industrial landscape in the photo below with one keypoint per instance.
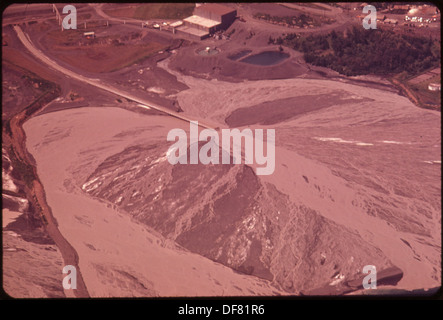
x,y
118,174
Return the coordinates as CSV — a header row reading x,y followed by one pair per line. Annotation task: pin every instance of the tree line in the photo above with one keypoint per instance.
x,y
292,21
358,51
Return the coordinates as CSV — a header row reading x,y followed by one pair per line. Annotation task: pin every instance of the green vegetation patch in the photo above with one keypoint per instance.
x,y
25,170
301,20
358,51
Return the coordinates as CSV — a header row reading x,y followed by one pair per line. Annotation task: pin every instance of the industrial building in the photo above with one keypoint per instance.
x,y
206,19
217,12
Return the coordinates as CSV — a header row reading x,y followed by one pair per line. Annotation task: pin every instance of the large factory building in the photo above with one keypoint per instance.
x,y
217,12
206,19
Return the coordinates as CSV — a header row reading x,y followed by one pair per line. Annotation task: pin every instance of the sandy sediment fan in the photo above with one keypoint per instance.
x,y
388,276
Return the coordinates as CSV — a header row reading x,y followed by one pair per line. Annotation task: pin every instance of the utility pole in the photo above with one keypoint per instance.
x,y
58,17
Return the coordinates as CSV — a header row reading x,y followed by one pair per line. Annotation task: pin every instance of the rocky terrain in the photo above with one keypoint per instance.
x,y
329,209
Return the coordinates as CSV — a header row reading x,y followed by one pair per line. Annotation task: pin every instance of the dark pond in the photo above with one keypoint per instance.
x,y
239,55
266,58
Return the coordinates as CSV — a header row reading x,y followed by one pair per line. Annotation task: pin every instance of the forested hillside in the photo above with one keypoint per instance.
x,y
358,51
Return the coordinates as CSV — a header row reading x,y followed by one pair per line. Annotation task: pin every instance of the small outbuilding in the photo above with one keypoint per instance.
x,y
89,35
434,87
